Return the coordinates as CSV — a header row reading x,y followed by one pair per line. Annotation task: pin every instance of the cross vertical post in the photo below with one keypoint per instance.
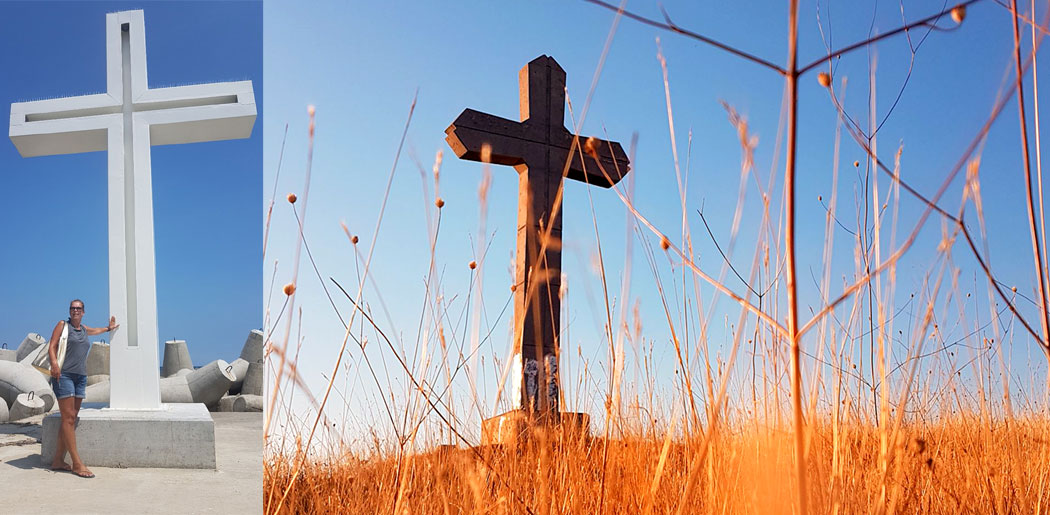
x,y
543,153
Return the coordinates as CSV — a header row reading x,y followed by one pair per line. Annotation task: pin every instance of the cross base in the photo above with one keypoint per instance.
x,y
175,436
519,426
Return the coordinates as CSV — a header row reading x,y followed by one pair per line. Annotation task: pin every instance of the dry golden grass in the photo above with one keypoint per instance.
x,y
962,466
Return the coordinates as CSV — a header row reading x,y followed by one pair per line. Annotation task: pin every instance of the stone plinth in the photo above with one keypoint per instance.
x,y
175,436
517,426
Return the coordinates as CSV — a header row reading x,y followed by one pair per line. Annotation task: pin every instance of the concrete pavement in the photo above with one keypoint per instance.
x,y
236,487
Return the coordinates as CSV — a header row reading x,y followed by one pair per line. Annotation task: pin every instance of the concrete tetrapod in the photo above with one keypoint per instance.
x,y
248,403
253,349
226,402
16,378
209,383
29,344
253,380
98,360
239,370
98,378
98,392
8,355
4,414
206,385
176,357
172,390
26,405
175,390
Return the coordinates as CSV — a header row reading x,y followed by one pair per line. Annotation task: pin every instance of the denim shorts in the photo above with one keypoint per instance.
x,y
69,385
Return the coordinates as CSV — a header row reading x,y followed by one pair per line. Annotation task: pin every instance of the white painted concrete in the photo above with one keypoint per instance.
x,y
125,121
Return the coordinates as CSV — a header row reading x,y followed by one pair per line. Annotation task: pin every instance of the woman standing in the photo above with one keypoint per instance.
x,y
69,381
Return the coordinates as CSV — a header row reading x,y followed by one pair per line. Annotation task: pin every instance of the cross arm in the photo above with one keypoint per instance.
x,y
610,153
200,112
473,129
62,125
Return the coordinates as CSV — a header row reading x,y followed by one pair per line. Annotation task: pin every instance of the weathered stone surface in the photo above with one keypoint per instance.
x,y
543,152
8,355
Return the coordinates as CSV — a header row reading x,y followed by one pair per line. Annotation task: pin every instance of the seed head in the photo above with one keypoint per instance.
x,y
513,287
856,164
353,239
1014,289
289,289
959,13
473,265
591,146
292,198
824,78
439,203
310,110
665,243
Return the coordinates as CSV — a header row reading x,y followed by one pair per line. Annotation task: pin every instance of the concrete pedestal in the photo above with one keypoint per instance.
x,y
176,436
517,426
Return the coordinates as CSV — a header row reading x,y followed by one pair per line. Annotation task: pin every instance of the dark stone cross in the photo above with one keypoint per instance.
x,y
542,151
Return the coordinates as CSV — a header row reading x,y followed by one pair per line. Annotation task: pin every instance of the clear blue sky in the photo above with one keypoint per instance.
x,y
205,195
361,64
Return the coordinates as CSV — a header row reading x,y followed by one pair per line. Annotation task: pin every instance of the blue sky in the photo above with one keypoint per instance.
x,y
205,195
362,63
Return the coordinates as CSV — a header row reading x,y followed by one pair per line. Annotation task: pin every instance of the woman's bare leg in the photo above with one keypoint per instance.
x,y
69,408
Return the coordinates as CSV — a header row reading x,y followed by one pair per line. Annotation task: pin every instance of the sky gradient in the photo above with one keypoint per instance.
x,y
362,64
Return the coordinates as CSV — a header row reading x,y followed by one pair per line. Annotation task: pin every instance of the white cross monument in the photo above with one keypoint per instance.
x,y
125,121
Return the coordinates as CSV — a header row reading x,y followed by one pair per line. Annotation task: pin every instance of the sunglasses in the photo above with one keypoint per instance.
x,y
76,308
